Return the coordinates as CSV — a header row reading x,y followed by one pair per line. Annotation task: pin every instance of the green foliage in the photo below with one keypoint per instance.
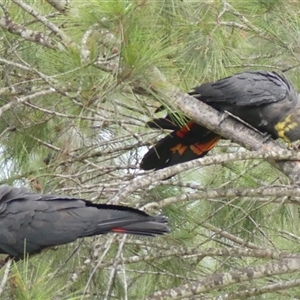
x,y
34,280
75,126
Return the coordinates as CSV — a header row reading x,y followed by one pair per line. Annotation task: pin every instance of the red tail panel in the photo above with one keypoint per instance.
x,y
187,143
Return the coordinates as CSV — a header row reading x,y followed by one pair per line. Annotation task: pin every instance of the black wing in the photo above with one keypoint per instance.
x,y
250,88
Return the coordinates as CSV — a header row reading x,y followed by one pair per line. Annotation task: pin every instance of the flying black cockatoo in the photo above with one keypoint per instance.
x,y
30,222
265,100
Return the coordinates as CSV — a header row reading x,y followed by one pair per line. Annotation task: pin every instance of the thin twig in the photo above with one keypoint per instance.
x,y
5,276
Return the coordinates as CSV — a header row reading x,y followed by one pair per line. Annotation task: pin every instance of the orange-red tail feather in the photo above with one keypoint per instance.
x,y
183,144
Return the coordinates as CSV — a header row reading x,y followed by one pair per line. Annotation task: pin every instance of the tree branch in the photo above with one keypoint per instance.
x,y
55,29
27,34
147,180
216,281
247,293
264,192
